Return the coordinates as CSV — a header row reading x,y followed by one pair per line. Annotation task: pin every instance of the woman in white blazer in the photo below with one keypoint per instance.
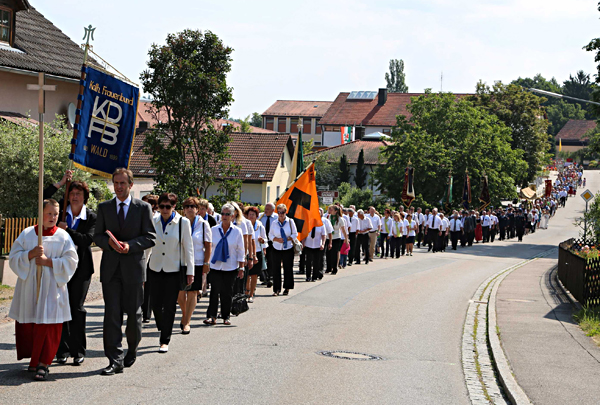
x,y
167,256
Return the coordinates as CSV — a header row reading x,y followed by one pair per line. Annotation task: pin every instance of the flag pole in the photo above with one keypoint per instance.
x,y
89,34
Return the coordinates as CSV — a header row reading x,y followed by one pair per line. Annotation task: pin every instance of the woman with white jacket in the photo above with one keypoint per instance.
x,y
169,253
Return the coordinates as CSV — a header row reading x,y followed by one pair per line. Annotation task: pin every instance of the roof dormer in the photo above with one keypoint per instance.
x,y
8,9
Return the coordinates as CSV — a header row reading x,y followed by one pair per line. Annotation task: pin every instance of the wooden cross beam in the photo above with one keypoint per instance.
x,y
42,88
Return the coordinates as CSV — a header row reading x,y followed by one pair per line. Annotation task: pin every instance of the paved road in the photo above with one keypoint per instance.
x,y
409,311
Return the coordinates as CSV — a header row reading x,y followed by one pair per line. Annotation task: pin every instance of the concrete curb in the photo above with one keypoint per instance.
x,y
512,389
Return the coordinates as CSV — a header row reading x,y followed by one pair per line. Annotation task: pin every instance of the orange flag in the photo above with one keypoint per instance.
x,y
302,202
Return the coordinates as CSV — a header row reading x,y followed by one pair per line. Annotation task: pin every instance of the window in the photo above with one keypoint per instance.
x,y
269,123
318,129
306,126
387,131
5,25
281,124
268,193
277,196
282,163
294,125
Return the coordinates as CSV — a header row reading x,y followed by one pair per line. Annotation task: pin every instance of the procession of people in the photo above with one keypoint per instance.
x,y
155,259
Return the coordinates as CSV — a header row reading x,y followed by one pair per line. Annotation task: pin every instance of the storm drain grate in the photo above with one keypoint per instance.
x,y
339,354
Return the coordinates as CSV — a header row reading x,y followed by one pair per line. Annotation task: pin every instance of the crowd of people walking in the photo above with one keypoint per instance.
x,y
155,259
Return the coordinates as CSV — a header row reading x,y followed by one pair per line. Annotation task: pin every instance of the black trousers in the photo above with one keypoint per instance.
x,y
285,258
520,232
313,255
403,244
493,234
146,305
352,240
470,237
270,261
502,233
395,242
302,263
420,236
384,242
221,289
362,241
332,256
454,239
120,298
485,230
512,231
165,290
432,236
72,340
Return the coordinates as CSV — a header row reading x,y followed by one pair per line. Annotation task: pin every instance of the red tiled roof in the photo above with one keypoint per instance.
x,y
145,115
258,154
17,118
574,130
368,112
352,150
292,108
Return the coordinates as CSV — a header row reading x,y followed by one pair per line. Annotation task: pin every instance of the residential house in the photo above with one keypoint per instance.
x,y
371,149
284,115
573,136
368,111
265,161
29,43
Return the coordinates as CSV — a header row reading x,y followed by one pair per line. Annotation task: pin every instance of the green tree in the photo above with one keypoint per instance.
x,y
256,120
344,170
448,134
560,113
349,195
594,46
360,176
541,83
520,111
19,172
396,78
580,87
327,171
245,126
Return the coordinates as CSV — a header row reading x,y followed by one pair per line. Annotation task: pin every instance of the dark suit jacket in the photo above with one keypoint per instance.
x,y
138,231
83,237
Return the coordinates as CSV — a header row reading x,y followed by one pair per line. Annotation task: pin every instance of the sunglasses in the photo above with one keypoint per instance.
x,y
281,213
225,214
189,206
164,206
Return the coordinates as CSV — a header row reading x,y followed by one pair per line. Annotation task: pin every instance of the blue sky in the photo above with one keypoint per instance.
x,y
312,50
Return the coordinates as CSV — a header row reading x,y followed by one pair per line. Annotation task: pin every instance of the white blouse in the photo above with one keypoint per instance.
x,y
289,228
201,233
259,232
52,306
235,241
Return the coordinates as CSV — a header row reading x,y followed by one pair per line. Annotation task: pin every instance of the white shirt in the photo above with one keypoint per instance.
x,y
289,229
353,223
364,224
347,221
243,227
337,229
259,232
386,221
486,220
397,228
166,251
315,243
494,219
410,225
235,241
433,222
445,224
125,207
53,303
456,225
263,219
421,218
201,233
375,222
327,225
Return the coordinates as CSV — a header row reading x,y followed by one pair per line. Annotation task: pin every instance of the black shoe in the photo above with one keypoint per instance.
x,y
269,284
62,359
146,320
129,360
349,264
78,361
112,369
308,279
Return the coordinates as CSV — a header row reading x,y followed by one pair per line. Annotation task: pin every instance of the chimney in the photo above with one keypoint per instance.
x,y
143,125
382,97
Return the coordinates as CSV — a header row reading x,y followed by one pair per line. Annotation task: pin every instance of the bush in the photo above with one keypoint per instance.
x,y
593,163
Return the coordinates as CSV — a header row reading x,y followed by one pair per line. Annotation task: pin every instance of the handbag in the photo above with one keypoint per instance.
x,y
183,285
239,304
297,247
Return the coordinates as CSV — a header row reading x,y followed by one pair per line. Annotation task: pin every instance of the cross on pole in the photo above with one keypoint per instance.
x,y
42,88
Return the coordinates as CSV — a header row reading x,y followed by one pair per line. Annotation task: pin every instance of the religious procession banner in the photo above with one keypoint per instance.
x,y
105,126
548,188
302,202
347,134
408,191
466,191
485,193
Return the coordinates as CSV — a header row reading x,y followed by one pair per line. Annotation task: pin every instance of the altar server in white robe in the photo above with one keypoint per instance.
x,y
39,319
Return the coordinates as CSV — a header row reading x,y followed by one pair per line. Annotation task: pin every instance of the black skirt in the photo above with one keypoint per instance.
x,y
255,270
197,284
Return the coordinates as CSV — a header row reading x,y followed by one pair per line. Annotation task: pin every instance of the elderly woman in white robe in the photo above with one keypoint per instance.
x,y
39,317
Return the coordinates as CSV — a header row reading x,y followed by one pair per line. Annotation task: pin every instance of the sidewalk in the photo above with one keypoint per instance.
x,y
551,358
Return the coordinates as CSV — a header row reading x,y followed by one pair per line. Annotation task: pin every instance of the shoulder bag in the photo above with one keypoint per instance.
x,y
183,285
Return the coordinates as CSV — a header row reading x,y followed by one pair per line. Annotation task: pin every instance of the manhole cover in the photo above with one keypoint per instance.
x,y
339,354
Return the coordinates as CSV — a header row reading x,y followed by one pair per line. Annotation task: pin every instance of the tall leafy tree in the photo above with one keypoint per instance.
x,y
344,170
396,78
447,134
541,83
360,176
187,80
256,120
522,113
594,46
560,113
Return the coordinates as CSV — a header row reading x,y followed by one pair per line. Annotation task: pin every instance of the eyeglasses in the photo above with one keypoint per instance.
x,y
281,213
189,206
164,206
225,214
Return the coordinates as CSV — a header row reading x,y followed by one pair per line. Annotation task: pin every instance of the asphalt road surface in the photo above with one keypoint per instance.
x,y
408,311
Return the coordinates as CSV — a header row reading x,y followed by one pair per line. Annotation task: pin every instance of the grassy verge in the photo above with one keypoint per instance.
x,y
589,321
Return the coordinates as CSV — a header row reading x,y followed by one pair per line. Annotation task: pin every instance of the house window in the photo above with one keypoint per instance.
x,y
277,192
5,25
294,125
269,123
306,127
281,124
387,131
282,163
268,193
318,129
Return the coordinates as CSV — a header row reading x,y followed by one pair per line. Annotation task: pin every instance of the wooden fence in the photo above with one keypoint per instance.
x,y
12,228
579,275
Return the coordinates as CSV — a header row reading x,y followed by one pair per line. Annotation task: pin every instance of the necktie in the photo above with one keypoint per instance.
x,y
313,232
398,233
268,225
222,250
121,215
386,226
285,241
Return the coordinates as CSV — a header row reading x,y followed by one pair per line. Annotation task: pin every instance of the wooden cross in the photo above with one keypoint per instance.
x,y
42,88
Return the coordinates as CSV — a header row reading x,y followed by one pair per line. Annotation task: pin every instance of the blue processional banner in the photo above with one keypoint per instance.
x,y
106,123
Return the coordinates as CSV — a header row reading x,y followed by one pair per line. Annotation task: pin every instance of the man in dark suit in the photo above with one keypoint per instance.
x,y
122,270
